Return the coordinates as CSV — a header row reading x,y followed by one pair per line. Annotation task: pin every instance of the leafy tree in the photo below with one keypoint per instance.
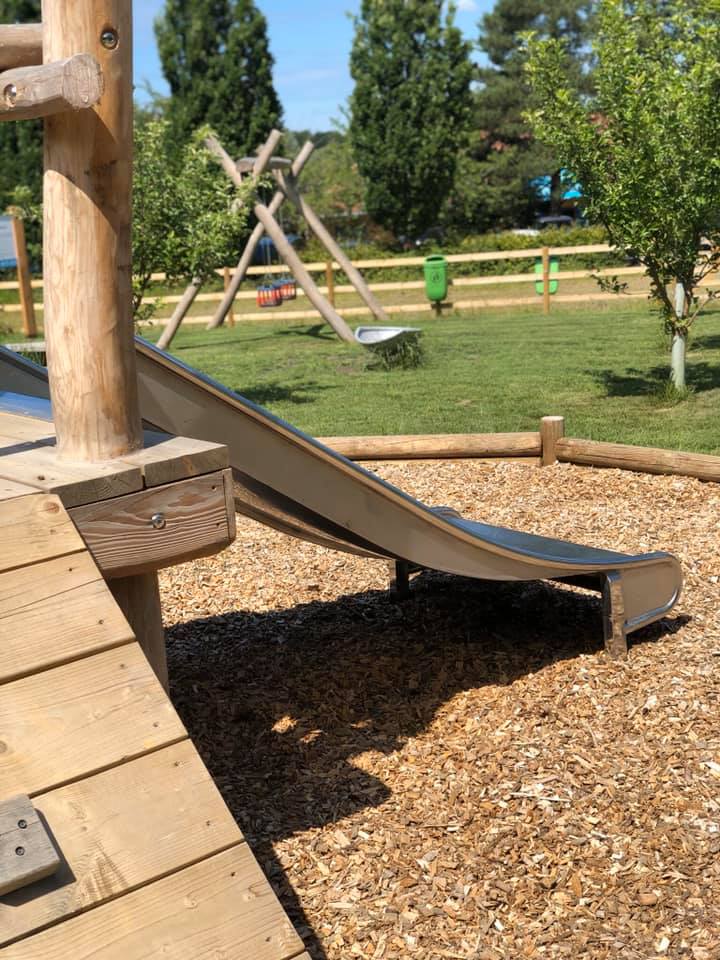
x,y
187,216
21,144
410,109
646,147
494,189
216,58
333,185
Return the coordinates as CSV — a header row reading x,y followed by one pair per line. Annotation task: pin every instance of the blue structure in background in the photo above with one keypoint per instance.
x,y
571,189
8,258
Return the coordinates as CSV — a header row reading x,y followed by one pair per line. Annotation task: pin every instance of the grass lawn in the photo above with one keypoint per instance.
x,y
602,367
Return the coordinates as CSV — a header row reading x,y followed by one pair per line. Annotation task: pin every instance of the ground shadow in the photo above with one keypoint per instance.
x,y
279,703
701,375
709,341
321,331
274,392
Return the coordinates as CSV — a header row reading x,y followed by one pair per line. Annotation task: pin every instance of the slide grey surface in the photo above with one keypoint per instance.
x,y
291,482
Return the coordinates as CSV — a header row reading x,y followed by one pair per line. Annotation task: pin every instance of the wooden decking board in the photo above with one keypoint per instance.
x,y
75,720
35,528
10,489
59,612
221,907
120,830
35,463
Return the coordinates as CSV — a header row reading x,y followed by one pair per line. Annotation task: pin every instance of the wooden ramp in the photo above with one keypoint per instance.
x,y
153,864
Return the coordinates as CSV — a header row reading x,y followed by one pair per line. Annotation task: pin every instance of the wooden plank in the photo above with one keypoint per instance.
x,y
622,456
33,528
10,490
78,719
36,462
27,853
54,612
191,520
120,830
436,447
222,907
165,459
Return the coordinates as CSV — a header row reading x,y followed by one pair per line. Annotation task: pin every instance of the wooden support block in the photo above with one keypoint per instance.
x,y
400,579
27,93
139,599
159,527
27,853
552,429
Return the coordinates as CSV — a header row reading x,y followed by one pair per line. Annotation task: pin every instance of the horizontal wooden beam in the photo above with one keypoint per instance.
x,y
438,447
21,45
27,93
159,527
593,453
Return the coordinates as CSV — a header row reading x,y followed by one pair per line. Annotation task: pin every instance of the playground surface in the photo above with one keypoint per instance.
x,y
417,781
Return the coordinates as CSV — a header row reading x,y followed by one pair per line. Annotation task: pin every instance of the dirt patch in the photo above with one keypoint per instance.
x,y
465,775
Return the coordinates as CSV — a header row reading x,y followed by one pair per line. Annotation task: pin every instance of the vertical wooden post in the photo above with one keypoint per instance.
x,y
24,278
87,255
87,266
226,287
330,277
552,429
546,279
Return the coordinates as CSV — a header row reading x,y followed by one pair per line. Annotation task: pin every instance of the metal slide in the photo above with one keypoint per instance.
x,y
291,482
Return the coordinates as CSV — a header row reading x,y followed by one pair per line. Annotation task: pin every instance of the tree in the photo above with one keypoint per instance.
x,y
646,146
21,144
333,185
216,58
504,158
188,219
410,109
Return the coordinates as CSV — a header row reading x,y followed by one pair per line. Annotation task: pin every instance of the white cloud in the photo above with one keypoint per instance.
x,y
467,6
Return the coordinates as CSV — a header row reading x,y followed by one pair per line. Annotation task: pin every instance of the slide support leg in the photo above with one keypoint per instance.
x,y
614,617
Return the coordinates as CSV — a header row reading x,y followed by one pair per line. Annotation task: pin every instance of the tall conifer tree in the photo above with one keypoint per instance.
x,y
216,59
410,109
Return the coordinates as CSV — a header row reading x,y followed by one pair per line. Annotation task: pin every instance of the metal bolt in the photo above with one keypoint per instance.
x,y
22,824
10,93
20,851
158,521
109,38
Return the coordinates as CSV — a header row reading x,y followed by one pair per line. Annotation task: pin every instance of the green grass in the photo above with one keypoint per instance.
x,y
604,368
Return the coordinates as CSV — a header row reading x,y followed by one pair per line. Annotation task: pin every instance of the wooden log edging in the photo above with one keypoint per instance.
x,y
438,446
594,453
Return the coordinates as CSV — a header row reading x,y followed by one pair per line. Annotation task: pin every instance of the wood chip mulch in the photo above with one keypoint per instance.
x,y
465,775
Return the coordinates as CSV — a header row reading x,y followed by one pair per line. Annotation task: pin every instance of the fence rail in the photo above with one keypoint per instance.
x,y
332,289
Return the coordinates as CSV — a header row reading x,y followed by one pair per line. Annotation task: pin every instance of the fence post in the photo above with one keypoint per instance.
x,y
546,279
552,429
226,280
24,278
330,277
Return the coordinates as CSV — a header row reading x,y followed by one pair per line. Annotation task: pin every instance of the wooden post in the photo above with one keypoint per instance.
x,y
88,288
546,279
88,265
226,287
552,429
24,278
330,278
178,315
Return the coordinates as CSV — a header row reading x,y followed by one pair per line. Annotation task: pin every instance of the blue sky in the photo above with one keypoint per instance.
x,y
310,40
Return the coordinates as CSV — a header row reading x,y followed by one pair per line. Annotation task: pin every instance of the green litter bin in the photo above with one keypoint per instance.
x,y
436,277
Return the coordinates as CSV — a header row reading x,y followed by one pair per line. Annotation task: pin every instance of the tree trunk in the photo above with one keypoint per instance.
x,y
679,341
173,324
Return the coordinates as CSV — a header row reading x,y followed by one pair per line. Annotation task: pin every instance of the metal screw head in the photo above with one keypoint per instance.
x,y
22,824
158,521
20,851
10,94
109,38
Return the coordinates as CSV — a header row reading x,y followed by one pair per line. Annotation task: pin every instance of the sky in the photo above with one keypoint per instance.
x,y
310,41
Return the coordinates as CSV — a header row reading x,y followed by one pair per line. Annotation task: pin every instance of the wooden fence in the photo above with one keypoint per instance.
x,y
332,289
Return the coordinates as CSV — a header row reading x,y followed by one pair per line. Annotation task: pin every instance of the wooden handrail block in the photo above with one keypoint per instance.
x,y
27,93
20,45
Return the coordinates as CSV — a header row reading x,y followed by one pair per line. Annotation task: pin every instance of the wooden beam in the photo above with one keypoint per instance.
x,y
24,278
21,45
27,93
88,286
593,453
438,447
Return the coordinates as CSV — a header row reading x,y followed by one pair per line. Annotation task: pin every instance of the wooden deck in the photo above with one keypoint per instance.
x,y
153,865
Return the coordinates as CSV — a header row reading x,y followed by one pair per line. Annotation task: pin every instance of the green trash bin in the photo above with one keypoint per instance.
x,y
436,277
